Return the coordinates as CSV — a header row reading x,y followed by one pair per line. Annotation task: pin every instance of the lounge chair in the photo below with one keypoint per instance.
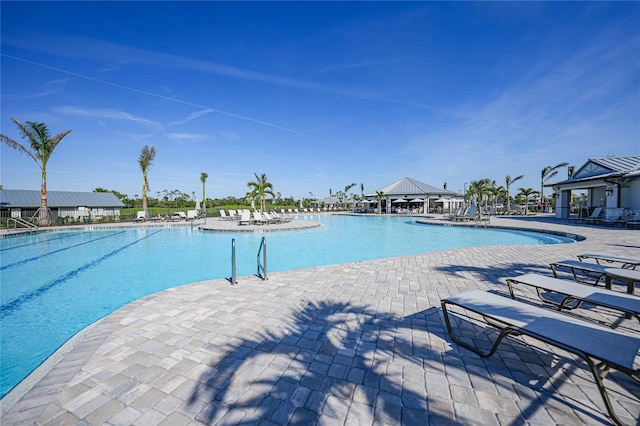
x,y
459,212
602,348
223,215
632,220
280,219
574,294
245,218
140,216
613,218
593,217
258,219
627,263
469,214
588,269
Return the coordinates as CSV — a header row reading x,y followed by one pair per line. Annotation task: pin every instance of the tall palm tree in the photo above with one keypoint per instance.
x,y
145,161
526,193
41,146
508,181
546,174
380,196
203,179
260,189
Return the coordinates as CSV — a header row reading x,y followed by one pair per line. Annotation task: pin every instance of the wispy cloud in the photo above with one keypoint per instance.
x,y
119,56
51,88
185,137
110,114
167,98
193,116
566,107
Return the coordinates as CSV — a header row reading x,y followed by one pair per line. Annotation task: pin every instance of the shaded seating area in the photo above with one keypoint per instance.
x,y
601,348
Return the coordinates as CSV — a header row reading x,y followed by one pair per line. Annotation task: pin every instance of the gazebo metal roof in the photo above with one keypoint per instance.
x,y
410,188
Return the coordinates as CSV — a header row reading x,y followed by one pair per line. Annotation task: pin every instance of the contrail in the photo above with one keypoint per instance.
x,y
155,95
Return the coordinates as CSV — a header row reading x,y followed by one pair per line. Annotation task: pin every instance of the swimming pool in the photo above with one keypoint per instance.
x,y
56,283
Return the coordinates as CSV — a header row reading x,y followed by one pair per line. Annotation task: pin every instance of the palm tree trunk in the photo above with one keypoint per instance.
x,y
144,195
43,217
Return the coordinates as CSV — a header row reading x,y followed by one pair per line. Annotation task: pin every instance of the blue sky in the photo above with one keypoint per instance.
x,y
317,95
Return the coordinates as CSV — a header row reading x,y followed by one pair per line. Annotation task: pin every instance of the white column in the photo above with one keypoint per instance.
x,y
563,204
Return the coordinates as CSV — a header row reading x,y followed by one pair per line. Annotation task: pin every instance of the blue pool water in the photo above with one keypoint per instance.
x,y
54,284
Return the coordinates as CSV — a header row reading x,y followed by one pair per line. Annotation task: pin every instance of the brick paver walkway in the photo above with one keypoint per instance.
x,y
358,343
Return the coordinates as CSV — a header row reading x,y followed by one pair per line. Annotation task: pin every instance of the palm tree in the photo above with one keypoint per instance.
x,y
41,146
526,193
145,161
508,181
496,192
346,190
380,195
203,179
546,174
260,189
479,189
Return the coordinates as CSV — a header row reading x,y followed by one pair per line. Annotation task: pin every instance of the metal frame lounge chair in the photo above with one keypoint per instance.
x,y
627,263
588,269
600,347
574,294
595,216
140,216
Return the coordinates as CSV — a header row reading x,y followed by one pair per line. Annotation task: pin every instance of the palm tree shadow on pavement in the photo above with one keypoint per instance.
x,y
494,273
335,359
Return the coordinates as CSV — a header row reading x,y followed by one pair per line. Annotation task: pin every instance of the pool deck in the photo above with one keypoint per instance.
x,y
357,343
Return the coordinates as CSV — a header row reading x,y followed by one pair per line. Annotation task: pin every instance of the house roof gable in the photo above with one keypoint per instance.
x,y
598,168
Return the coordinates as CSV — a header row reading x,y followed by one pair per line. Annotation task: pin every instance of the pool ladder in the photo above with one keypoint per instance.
x,y
21,225
262,265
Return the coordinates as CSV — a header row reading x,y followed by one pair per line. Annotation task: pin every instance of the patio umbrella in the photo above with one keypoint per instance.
x,y
417,200
400,200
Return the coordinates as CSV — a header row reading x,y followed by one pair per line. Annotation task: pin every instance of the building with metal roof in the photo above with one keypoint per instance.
x,y
407,191
611,182
64,205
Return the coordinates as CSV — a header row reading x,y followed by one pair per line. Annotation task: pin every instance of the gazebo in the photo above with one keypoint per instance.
x,y
410,190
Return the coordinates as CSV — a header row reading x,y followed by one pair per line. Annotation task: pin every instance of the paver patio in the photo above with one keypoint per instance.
x,y
356,343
